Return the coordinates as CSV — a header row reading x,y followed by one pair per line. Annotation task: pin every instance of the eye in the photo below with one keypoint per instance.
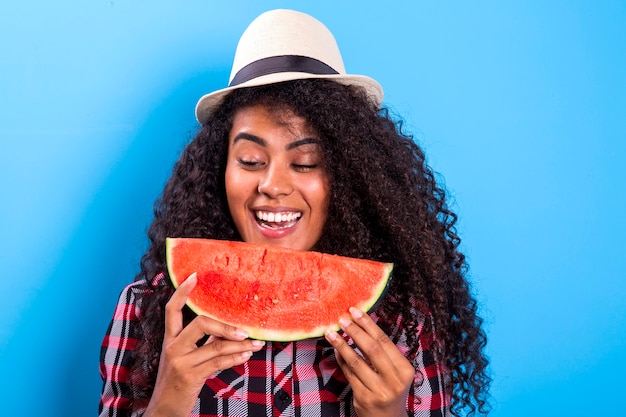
x,y
250,164
304,167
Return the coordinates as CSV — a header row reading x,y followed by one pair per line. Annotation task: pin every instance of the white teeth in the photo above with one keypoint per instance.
x,y
271,217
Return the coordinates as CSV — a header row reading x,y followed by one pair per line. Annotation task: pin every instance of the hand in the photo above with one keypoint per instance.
x,y
184,367
380,379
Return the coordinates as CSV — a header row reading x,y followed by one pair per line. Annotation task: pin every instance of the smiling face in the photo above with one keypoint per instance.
x,y
276,187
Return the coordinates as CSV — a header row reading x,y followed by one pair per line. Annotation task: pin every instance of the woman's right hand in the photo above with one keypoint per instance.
x,y
184,367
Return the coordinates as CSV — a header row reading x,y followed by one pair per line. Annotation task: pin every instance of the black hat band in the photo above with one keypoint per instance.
x,y
281,63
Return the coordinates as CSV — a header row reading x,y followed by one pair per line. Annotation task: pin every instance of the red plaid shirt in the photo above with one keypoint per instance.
x,y
301,378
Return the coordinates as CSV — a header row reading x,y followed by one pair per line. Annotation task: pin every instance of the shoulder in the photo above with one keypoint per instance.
x,y
131,292
129,302
121,333
141,287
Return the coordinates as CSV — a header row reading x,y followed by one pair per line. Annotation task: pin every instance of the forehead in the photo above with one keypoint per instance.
x,y
269,124
274,115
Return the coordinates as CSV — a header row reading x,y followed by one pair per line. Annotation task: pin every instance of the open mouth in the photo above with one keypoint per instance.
x,y
280,220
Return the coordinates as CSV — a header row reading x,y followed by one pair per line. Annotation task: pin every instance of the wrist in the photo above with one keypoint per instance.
x,y
401,413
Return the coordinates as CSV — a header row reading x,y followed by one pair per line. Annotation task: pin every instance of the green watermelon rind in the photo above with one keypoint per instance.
x,y
269,334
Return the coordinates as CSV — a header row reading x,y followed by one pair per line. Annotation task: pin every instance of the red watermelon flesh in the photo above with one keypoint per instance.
x,y
274,293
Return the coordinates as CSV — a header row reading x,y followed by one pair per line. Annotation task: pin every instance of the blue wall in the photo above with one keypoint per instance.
x,y
520,105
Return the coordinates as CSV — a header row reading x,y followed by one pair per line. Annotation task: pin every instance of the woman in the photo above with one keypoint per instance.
x,y
294,134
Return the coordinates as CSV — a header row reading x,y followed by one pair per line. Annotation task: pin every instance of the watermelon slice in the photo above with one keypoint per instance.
x,y
274,293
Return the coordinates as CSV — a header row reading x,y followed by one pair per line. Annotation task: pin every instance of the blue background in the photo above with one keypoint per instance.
x,y
520,105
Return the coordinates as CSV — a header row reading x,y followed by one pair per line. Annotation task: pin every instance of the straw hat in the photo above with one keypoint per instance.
x,y
282,45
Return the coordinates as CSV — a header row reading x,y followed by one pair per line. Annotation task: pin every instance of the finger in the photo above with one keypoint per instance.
x,y
353,365
353,380
223,354
203,325
378,348
221,363
173,308
376,360
378,344
222,348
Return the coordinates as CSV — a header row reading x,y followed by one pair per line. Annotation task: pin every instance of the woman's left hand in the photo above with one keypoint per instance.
x,y
380,379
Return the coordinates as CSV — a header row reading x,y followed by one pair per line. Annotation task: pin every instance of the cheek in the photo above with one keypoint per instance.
x,y
229,182
234,191
319,196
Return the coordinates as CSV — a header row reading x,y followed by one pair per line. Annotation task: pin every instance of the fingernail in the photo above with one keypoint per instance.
x,y
246,355
344,323
257,343
356,313
331,336
190,278
241,333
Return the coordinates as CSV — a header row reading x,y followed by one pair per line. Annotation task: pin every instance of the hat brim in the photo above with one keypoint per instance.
x,y
209,102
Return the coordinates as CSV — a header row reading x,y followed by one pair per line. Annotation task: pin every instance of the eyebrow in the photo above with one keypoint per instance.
x,y
252,138
302,142
263,142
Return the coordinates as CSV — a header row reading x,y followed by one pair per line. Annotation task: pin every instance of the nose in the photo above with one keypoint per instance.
x,y
275,182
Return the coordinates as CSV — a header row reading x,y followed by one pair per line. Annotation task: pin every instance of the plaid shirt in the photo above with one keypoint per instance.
x,y
301,378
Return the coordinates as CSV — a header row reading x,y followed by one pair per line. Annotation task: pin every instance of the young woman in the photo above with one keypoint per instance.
x,y
297,153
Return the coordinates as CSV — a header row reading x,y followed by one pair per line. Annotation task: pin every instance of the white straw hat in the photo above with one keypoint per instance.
x,y
282,45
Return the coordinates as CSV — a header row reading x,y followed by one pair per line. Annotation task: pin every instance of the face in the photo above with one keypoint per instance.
x,y
276,188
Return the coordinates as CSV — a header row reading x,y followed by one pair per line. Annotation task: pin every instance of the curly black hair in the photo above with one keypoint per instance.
x,y
385,205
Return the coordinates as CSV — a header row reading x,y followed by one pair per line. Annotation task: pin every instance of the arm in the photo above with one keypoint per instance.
x,y
116,356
